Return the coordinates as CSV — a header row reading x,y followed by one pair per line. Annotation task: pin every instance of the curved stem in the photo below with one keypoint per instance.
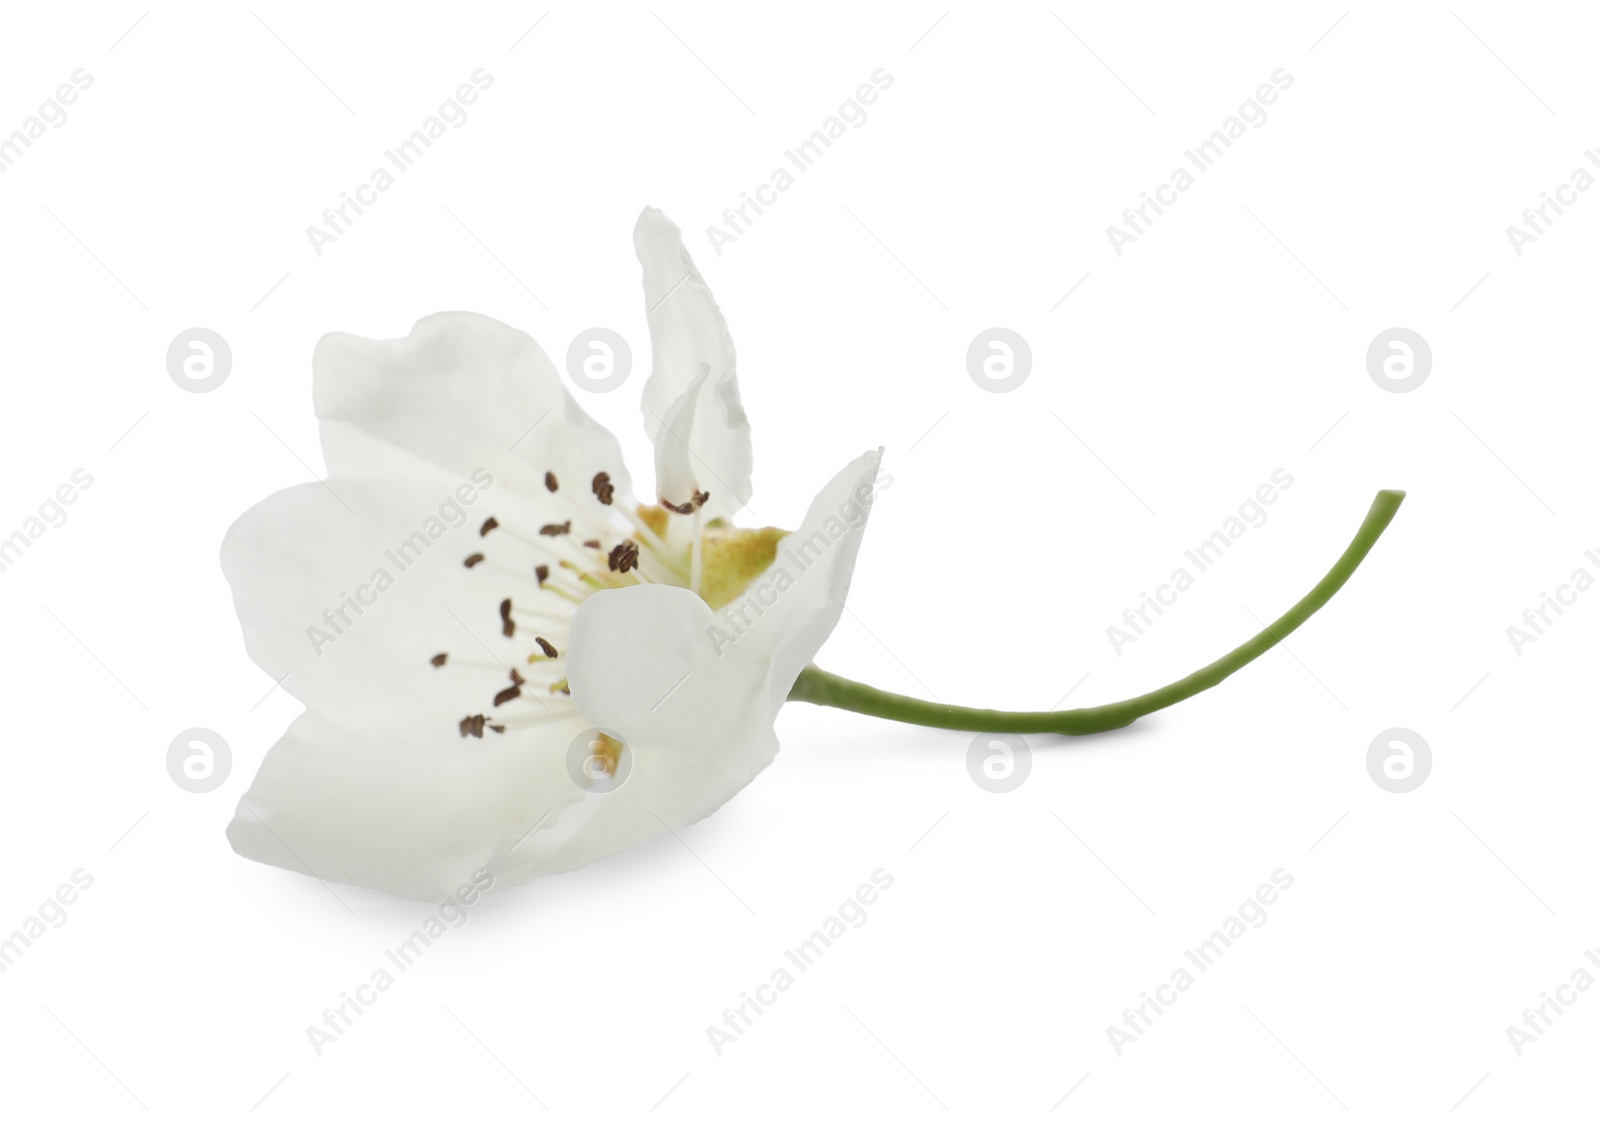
x,y
822,688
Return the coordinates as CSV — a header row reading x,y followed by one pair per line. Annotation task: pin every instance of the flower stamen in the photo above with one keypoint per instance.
x,y
696,501
565,559
475,724
624,557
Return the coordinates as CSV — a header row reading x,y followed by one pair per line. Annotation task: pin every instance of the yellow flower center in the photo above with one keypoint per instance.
x,y
732,558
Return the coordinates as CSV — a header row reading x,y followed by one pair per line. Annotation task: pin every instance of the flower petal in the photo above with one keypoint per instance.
x,y
375,785
464,392
346,590
695,694
413,813
692,411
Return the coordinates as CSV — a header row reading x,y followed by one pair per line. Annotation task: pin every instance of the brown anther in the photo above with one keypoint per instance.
x,y
544,645
473,560
542,573
556,529
497,728
550,483
510,693
592,543
440,659
697,501
508,626
490,523
603,490
473,726
516,677
624,557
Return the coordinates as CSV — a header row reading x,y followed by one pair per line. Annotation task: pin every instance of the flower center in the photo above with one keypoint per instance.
x,y
733,558
548,569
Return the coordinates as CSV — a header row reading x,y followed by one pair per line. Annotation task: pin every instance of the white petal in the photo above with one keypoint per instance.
x,y
464,392
344,595
412,813
820,557
375,785
692,411
696,708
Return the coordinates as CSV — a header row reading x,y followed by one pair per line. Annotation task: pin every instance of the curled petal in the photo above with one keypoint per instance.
x,y
692,411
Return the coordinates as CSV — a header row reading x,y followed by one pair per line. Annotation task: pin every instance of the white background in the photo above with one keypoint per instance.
x,y
1227,342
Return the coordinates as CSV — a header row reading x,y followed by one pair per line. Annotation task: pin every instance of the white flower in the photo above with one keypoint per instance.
x,y
475,554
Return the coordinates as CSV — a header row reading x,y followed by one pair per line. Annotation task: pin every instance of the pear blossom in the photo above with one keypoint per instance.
x,y
510,666
508,663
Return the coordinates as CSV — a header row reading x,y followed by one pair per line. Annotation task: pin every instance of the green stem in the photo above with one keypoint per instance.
x,y
822,688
